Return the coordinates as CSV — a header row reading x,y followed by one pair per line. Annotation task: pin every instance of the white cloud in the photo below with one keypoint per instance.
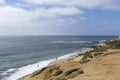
x,y
12,15
15,20
2,1
42,16
65,11
101,4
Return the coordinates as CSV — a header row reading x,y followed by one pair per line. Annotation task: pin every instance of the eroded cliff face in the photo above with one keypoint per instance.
x,y
59,71
62,71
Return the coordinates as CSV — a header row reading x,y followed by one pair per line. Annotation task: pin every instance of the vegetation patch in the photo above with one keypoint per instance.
x,y
100,49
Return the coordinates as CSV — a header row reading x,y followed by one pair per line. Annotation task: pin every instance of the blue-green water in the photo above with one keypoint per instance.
x,y
19,51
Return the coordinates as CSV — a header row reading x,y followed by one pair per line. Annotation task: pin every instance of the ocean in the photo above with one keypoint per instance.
x,y
22,55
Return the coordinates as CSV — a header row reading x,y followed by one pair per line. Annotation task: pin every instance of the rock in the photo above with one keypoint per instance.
x,y
57,72
60,78
52,72
73,73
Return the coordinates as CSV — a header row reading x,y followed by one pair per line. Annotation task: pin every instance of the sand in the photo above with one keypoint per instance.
x,y
103,67
44,75
78,58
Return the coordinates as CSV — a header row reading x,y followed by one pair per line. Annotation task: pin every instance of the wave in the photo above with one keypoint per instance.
x,y
69,56
29,69
26,70
102,41
70,42
9,71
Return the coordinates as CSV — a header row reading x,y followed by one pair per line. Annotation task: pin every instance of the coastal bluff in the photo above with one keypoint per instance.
x,y
102,63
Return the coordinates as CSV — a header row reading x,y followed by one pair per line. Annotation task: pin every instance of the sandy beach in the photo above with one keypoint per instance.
x,y
103,63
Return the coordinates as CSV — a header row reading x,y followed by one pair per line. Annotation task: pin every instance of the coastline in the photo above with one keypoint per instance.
x,y
77,67
73,61
62,59
70,57
36,67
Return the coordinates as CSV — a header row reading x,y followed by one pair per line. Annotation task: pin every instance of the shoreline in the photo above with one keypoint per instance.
x,y
77,68
74,57
70,58
53,61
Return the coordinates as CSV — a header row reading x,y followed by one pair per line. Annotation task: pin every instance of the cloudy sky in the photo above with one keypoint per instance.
x,y
59,17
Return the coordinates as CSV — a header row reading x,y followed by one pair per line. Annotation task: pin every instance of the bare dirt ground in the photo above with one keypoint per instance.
x,y
102,67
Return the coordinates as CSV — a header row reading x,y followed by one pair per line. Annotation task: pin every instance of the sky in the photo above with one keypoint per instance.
x,y
59,17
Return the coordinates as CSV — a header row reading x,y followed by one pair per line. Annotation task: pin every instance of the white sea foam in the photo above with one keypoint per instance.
x,y
69,56
70,42
26,70
8,71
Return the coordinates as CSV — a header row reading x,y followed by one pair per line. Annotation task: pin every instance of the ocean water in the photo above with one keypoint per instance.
x,y
21,55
